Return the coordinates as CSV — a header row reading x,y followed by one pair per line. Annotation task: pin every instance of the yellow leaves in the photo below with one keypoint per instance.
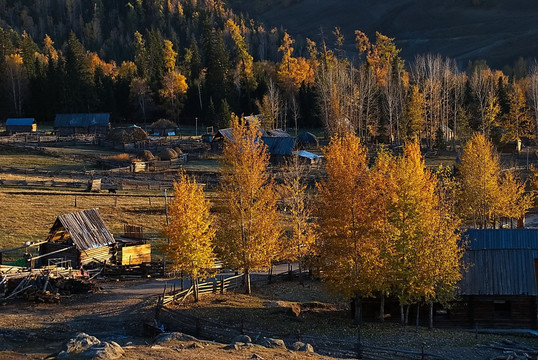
x,y
293,72
174,85
190,232
248,231
169,56
385,229
127,70
108,69
486,195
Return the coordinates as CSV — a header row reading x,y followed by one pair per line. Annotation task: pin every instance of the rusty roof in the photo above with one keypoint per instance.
x,y
86,228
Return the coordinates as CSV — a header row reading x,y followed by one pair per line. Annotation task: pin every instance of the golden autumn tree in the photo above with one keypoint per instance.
x,y
249,227
292,71
424,240
487,195
415,120
299,218
349,241
190,231
244,69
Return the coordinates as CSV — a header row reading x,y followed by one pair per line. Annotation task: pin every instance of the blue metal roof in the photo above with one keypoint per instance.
x,y
502,238
279,145
81,120
500,262
20,122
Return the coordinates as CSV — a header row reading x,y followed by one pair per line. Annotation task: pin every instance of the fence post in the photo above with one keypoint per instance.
x,y
221,280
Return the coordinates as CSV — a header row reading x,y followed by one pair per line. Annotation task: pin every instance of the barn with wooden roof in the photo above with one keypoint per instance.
x,y
78,239
499,288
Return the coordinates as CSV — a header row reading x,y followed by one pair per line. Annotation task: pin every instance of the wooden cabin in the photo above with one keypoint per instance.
x,y
499,289
19,125
78,239
71,124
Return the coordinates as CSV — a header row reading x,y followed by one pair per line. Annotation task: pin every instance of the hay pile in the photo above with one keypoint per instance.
x,y
168,154
163,124
145,155
127,135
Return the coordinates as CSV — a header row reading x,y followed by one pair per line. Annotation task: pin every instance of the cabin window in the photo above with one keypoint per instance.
x,y
501,309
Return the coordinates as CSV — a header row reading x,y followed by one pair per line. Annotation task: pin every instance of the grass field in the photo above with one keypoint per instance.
x,y
27,216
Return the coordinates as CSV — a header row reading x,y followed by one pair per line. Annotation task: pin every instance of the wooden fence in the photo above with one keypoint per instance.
x,y
213,286
175,320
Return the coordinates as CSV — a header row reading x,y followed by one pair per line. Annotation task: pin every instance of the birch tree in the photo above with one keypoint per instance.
x,y
249,227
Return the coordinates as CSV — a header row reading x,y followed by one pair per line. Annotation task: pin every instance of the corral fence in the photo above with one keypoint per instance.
x,y
212,286
176,320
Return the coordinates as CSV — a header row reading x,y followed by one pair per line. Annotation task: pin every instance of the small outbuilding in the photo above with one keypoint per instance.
x,y
499,288
163,127
18,125
71,124
78,239
307,140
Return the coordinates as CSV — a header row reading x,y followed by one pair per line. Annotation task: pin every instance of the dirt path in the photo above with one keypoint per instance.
x,y
116,313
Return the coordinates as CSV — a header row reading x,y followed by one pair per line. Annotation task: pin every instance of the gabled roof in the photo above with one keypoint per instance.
x,y
20,122
279,145
86,228
307,138
278,133
307,154
81,120
500,262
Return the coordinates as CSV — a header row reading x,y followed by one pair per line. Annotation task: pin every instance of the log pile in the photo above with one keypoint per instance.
x,y
42,286
512,350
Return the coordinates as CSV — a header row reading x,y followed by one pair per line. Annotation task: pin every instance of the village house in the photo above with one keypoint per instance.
x,y
71,124
18,125
499,288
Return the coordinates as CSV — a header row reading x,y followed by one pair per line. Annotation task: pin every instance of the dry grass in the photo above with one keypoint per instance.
x,y
270,309
27,216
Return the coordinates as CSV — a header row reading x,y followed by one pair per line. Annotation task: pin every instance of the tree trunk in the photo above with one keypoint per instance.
x,y
407,314
418,317
300,274
382,309
247,282
402,315
430,322
358,310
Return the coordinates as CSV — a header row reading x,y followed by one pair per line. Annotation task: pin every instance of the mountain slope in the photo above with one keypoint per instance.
x,y
499,32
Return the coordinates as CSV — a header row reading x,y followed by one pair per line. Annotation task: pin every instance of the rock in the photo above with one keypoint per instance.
x,y
78,344
173,336
242,339
273,343
295,309
297,345
194,345
233,346
104,351
307,348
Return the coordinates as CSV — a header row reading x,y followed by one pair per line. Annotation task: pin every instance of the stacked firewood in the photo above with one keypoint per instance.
x,y
42,287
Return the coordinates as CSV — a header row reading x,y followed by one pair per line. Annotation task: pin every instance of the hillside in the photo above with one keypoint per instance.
x,y
499,31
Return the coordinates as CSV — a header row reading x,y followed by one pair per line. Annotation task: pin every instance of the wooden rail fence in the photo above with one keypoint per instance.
x,y
213,286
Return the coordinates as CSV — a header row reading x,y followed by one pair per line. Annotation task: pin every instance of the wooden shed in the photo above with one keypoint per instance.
x,y
91,123
20,125
499,289
78,239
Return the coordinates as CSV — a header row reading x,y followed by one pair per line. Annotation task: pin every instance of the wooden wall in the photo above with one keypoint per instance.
x,y
134,255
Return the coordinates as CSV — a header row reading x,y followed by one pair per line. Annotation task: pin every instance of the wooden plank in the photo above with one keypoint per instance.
x,y
133,255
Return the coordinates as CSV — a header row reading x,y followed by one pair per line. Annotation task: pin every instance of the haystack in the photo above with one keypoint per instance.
x,y
168,154
146,155
163,124
127,135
